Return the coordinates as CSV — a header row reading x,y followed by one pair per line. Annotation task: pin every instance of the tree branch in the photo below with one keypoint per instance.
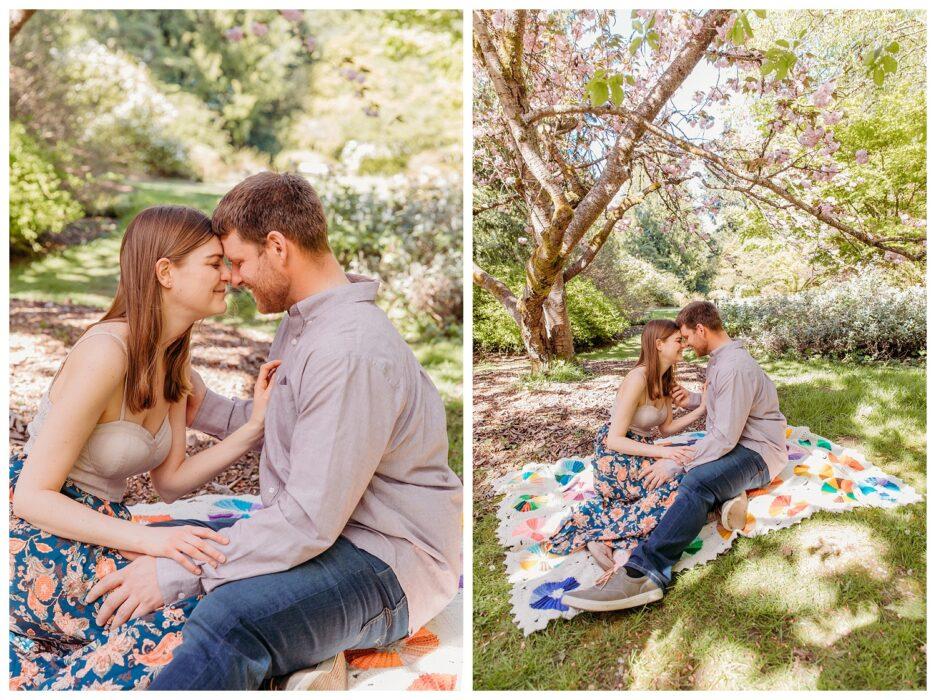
x,y
17,19
498,289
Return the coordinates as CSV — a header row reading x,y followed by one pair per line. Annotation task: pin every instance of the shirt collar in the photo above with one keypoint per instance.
x,y
732,344
361,289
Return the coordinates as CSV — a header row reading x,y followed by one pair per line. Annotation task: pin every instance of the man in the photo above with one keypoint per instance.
x,y
359,538
744,448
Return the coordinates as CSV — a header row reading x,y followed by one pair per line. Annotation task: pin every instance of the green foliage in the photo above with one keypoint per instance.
x,y
595,319
38,204
673,250
861,318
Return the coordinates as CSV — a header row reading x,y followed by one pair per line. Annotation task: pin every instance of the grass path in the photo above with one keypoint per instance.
x,y
835,602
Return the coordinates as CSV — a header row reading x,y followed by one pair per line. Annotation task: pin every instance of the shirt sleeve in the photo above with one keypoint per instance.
x,y
219,416
734,396
347,409
695,400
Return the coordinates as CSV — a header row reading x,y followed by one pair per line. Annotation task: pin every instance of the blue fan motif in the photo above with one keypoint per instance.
x,y
233,507
548,596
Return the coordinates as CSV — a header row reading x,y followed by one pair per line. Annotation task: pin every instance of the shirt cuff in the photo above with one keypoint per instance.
x,y
175,582
214,414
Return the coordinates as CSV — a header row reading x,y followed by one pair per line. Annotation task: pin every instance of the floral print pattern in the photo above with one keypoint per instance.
x,y
624,511
55,643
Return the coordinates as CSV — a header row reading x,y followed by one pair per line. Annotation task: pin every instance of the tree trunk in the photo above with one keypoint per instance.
x,y
558,328
546,330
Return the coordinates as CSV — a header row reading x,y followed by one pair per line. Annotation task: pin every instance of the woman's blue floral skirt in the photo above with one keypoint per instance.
x,y
55,643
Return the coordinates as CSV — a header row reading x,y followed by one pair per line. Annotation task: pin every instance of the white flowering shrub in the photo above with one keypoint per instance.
x,y
864,317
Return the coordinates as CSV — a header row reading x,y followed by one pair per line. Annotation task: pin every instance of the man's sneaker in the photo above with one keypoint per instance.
x,y
734,512
331,674
602,553
618,591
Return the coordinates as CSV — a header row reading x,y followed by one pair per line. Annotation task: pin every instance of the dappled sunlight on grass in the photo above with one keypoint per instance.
x,y
825,549
828,629
661,661
724,664
770,584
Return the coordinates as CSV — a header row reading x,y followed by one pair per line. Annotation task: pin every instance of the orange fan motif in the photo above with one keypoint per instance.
x,y
397,654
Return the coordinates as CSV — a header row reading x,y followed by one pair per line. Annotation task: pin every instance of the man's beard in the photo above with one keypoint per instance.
x,y
270,290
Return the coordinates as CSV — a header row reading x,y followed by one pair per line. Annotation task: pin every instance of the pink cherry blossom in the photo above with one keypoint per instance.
x,y
234,34
861,157
259,29
292,15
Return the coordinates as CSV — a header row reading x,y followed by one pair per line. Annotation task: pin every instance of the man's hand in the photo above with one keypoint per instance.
x,y
132,592
659,472
680,396
194,400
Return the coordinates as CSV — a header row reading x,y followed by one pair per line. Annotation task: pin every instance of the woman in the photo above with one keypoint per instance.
x,y
115,409
625,511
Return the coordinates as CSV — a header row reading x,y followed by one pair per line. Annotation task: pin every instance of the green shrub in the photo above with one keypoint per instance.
x,y
864,317
594,317
633,284
38,203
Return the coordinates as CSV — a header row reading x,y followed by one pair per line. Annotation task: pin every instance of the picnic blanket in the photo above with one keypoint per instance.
x,y
430,659
819,475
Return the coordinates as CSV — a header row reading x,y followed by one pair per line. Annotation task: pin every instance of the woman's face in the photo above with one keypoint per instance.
x,y
671,348
199,281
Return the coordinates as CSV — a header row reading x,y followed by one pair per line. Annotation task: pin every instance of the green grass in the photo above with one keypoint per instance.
x,y
87,274
837,601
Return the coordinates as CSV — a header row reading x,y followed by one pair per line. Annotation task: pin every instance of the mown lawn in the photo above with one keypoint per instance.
x,y
87,275
835,602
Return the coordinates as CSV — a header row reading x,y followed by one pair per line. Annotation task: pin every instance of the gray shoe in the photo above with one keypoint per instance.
x,y
619,592
734,512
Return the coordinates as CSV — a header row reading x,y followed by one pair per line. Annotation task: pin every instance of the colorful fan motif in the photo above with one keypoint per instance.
x,y
538,558
579,490
694,546
151,518
754,493
567,470
434,681
400,653
843,488
794,454
527,502
822,471
531,529
233,508
846,460
783,506
548,596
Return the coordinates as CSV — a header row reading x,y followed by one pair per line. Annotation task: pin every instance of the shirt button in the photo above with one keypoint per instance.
x,y
180,596
293,341
271,489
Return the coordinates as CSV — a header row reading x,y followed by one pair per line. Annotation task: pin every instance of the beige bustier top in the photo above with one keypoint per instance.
x,y
115,450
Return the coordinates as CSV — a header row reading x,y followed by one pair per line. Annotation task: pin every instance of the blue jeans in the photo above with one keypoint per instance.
x,y
701,489
246,631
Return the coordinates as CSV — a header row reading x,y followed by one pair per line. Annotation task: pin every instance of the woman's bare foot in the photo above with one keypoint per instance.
x,y
602,554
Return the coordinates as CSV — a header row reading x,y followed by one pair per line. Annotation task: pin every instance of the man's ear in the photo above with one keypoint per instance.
x,y
164,272
276,245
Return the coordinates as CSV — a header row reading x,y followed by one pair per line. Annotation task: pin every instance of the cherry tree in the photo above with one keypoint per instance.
x,y
576,125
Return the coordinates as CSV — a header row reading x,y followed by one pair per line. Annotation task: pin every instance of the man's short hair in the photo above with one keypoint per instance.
x,y
266,202
696,312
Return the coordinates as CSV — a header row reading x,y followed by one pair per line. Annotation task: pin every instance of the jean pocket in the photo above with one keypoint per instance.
x,y
375,631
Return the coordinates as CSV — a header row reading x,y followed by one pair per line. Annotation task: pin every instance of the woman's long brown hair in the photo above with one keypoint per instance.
x,y
170,232
657,329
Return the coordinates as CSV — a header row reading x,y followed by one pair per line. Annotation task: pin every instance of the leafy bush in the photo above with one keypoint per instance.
x,y
38,204
594,317
861,318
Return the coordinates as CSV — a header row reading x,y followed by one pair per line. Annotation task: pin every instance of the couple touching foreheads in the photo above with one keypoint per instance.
x,y
358,541
652,500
